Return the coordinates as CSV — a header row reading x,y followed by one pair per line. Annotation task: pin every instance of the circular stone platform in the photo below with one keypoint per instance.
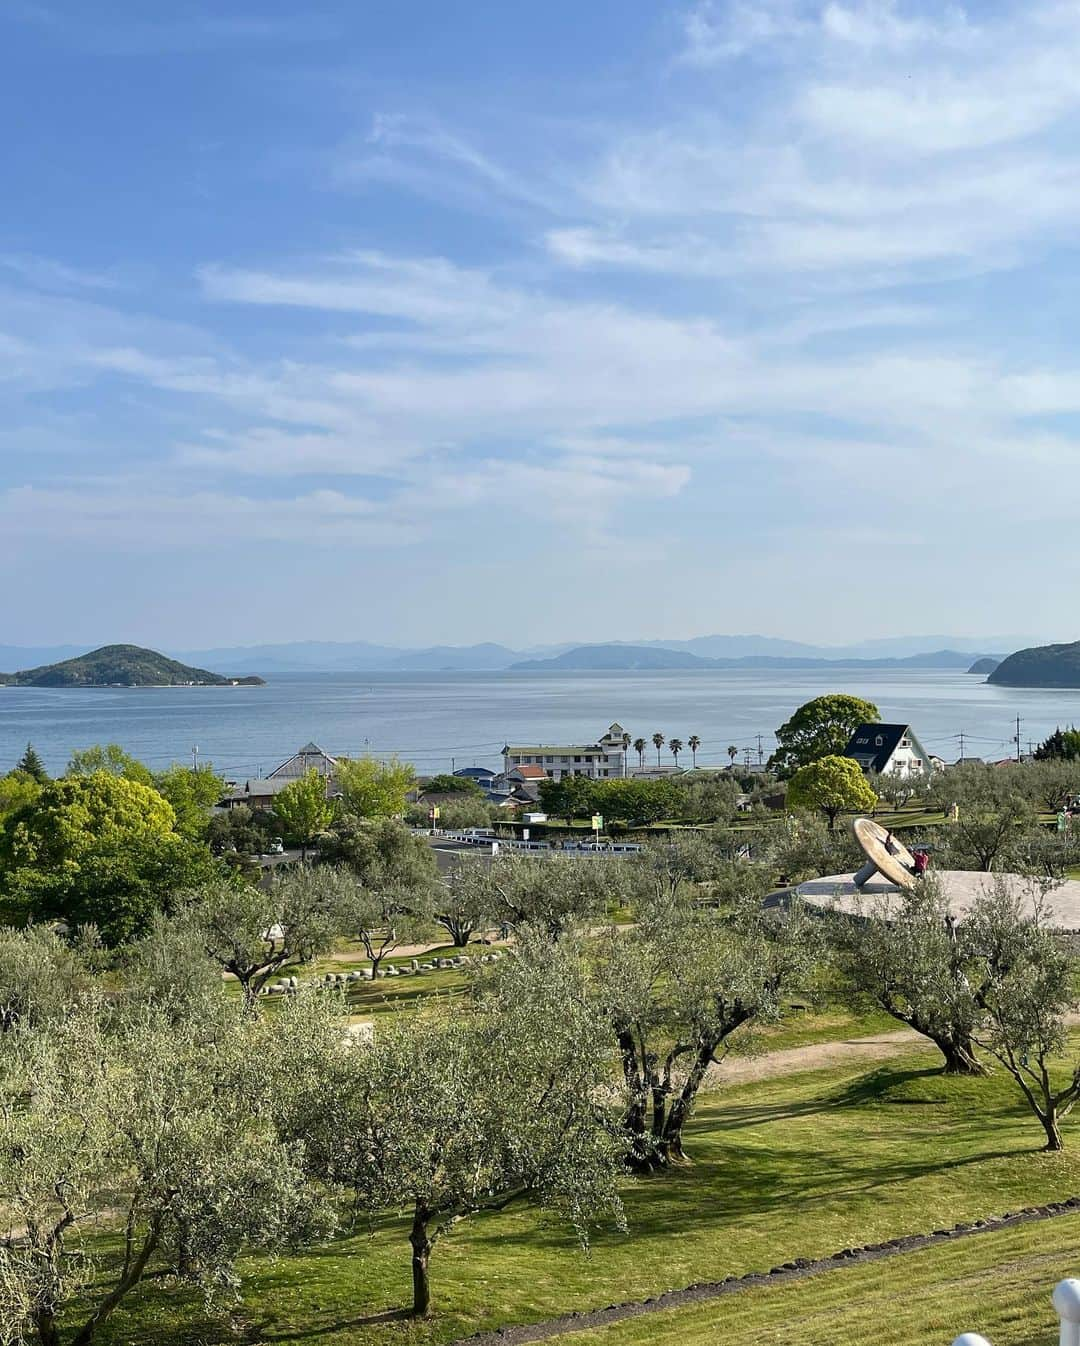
x,y
960,886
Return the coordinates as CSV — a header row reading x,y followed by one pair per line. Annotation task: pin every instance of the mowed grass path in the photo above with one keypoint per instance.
x,y
997,1284
799,1166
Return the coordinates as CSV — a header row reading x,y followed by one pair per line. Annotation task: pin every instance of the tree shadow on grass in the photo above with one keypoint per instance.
x,y
262,1331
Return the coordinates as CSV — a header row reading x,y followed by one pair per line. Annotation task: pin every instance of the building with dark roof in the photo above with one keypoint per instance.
x,y
888,749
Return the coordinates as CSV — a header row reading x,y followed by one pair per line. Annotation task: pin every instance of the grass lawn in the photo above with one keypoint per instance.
x,y
996,1284
798,1166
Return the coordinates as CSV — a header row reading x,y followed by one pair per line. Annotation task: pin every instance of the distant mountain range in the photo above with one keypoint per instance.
x,y
311,656
645,657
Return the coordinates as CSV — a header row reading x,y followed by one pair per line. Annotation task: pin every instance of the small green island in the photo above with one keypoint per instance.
x,y
1040,666
123,666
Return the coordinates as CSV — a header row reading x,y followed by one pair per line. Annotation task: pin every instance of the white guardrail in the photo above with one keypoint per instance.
x,y
471,837
1066,1302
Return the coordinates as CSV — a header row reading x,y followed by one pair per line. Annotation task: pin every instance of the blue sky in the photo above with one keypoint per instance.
x,y
435,322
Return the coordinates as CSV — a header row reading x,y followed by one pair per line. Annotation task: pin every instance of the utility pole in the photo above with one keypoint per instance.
x,y
961,745
760,751
453,765
1018,738
195,757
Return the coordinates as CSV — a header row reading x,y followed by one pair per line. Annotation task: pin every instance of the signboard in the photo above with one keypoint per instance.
x,y
434,813
597,822
524,834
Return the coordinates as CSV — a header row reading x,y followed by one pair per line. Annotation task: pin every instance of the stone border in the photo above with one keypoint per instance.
x,y
798,1269
415,967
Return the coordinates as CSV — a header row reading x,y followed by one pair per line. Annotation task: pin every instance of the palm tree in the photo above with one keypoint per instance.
x,y
658,743
639,748
732,752
675,745
625,749
693,743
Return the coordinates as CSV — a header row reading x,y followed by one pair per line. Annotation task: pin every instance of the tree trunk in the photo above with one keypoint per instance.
x,y
1053,1131
128,1281
421,1253
960,1058
45,1325
671,1146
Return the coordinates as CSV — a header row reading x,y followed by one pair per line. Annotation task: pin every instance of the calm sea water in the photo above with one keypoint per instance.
x,y
436,720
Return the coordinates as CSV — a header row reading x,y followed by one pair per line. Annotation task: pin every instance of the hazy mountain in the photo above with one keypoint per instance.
x,y
619,657
118,666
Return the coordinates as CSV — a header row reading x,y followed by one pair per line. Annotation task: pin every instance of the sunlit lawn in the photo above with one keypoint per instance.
x,y
798,1166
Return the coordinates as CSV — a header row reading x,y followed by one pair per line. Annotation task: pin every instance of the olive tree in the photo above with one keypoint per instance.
x,y
675,988
1026,996
252,933
161,1127
911,959
41,976
557,892
466,901
443,1117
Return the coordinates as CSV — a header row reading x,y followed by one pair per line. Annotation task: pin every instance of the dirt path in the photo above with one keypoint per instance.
x,y
816,1056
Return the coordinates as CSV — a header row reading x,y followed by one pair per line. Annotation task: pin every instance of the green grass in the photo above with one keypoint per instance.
x,y
795,1166
997,1284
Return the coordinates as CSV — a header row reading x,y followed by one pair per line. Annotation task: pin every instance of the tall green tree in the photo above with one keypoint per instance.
x,y
658,743
110,757
98,849
675,746
32,765
303,808
831,785
639,747
820,728
693,743
375,789
192,795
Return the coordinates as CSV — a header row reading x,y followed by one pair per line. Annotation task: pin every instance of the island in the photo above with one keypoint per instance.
x,y
1040,666
123,666
984,666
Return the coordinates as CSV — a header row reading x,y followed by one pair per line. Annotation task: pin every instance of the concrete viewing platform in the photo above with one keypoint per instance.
x,y
961,887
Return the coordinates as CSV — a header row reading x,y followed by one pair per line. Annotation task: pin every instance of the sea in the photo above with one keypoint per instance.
x,y
444,721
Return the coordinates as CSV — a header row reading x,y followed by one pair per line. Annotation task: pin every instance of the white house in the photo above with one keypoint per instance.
x,y
889,749
599,761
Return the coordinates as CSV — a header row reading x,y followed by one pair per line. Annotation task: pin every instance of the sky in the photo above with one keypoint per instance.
x,y
453,321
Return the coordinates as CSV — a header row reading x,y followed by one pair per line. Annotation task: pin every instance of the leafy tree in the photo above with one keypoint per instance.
x,y
162,1123
831,785
17,789
41,977
732,753
240,830
1026,995
569,798
820,728
639,802
1062,745
374,789
704,798
254,932
447,784
639,747
462,810
466,901
673,869
693,743
802,846
991,835
98,849
914,962
192,795
675,988
554,893
658,743
168,968
445,1117
1050,782
112,758
30,764
303,808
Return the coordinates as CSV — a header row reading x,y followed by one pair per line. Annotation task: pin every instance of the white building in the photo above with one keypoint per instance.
x,y
599,761
889,749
